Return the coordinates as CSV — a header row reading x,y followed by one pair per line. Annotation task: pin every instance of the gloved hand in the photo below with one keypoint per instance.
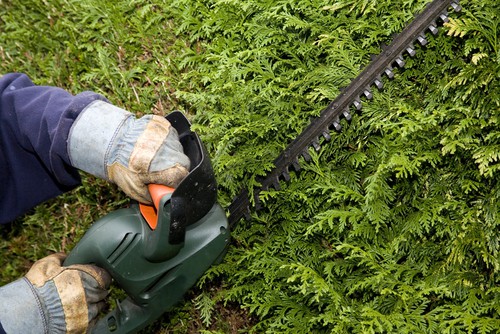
x,y
54,299
111,143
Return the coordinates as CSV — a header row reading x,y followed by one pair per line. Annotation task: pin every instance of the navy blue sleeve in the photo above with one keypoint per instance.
x,y
34,127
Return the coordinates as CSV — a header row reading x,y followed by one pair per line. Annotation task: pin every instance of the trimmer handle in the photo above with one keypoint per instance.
x,y
157,253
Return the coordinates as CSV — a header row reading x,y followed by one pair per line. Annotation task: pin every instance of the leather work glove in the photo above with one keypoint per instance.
x,y
111,143
54,299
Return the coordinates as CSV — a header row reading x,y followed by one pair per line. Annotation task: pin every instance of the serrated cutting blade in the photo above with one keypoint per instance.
x,y
360,86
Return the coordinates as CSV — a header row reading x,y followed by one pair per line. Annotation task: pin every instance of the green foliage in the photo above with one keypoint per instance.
x,y
393,225
268,66
391,228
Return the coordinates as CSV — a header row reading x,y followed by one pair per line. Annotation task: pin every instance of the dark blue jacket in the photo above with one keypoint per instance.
x,y
34,126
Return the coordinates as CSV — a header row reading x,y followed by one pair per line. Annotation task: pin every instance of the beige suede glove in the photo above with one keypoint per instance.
x,y
111,143
145,165
54,299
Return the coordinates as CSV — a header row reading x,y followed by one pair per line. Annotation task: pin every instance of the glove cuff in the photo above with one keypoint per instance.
x,y
26,309
92,136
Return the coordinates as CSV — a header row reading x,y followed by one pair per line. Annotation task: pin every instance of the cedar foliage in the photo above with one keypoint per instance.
x,y
392,228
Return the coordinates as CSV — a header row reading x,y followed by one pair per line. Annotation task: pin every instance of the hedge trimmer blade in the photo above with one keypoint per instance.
x,y
360,87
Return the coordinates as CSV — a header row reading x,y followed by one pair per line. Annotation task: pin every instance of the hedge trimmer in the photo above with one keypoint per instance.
x,y
157,253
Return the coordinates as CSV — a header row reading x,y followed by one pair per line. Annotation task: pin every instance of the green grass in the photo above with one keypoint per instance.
x,y
392,228
128,51
125,50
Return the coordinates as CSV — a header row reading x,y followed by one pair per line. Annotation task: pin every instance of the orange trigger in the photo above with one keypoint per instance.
x,y
150,212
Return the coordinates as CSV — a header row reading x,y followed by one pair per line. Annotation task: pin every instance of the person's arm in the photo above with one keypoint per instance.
x,y
34,125
47,134
54,299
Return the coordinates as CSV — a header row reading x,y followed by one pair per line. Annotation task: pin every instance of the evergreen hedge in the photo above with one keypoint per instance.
x,y
393,226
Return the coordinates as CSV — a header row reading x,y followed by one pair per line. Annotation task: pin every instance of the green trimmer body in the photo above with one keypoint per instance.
x,y
156,267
